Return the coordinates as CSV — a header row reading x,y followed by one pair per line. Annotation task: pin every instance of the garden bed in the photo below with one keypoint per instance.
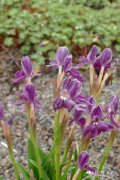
x,y
9,63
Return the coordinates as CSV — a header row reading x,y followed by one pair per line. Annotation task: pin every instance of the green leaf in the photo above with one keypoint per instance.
x,y
48,163
45,176
23,171
8,41
1,178
76,155
31,158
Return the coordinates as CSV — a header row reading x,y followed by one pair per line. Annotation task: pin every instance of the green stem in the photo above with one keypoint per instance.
x,y
14,164
56,144
56,122
36,147
68,144
65,152
79,176
33,137
84,144
107,151
57,166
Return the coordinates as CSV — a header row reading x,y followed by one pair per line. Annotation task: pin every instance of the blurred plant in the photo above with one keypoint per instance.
x,y
72,109
25,24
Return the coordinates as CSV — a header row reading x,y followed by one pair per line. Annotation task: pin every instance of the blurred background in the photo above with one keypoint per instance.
x,y
39,27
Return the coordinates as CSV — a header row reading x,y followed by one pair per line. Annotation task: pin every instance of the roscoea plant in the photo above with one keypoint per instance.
x,y
66,159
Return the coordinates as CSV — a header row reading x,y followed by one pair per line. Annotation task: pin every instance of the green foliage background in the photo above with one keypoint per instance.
x,y
75,23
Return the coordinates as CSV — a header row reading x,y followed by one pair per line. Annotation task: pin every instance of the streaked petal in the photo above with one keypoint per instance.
x,y
27,66
90,170
96,113
61,54
83,160
30,92
92,55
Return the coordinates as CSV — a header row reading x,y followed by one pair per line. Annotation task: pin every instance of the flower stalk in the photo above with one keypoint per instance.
x,y
107,151
7,134
68,143
33,136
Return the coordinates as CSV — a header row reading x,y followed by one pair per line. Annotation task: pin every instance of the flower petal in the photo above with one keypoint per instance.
x,y
92,55
96,113
83,159
27,66
90,170
30,92
61,54
19,76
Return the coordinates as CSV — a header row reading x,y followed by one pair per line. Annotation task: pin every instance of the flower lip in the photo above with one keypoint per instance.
x,y
64,94
96,114
70,90
83,163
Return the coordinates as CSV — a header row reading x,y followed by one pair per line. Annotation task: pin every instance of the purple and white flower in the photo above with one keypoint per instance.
x,y
29,96
104,59
91,57
91,119
26,72
63,61
70,91
83,163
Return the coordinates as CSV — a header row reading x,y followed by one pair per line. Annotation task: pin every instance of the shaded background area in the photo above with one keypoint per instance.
x,y
38,28
75,23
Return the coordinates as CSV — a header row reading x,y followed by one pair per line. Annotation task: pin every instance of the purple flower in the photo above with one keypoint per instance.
x,y
84,106
1,112
112,110
104,59
91,57
70,91
83,163
96,125
64,60
29,96
26,64
90,118
26,72
62,57
74,73
78,118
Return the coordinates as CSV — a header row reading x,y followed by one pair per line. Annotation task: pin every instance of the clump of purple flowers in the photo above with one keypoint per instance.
x,y
72,110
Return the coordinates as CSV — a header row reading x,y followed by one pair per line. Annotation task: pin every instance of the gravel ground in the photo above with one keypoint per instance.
x,y
44,86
